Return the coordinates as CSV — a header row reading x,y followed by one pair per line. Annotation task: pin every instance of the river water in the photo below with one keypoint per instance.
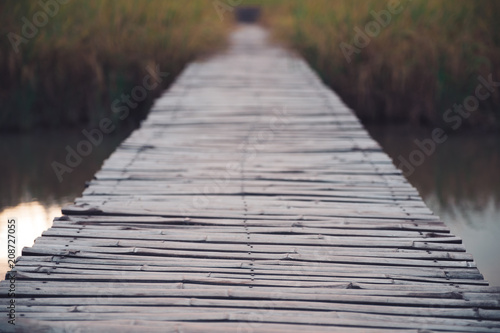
x,y
460,182
31,192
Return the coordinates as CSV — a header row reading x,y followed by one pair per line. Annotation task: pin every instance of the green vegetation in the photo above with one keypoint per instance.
x,y
70,69
427,58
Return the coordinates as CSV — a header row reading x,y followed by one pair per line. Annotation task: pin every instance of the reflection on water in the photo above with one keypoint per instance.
x,y
30,190
460,182
32,219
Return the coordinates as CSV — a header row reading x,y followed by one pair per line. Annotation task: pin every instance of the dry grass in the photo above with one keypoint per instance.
x,y
426,59
91,52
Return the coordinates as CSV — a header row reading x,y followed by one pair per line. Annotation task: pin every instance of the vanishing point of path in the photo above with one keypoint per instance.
x,y
250,200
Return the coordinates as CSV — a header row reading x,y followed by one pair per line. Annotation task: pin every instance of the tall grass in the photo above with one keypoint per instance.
x,y
91,52
426,59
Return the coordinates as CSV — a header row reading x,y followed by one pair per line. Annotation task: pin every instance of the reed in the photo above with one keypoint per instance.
x,y
427,58
90,52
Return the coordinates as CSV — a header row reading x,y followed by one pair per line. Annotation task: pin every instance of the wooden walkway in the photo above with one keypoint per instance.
x,y
250,200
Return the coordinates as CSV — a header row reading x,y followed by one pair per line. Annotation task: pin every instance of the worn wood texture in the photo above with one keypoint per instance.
x,y
250,200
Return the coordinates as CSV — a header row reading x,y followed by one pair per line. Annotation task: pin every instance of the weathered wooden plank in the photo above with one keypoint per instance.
x,y
274,315
158,306
323,257
133,326
270,266
277,230
330,222
122,289
441,291
430,243
317,252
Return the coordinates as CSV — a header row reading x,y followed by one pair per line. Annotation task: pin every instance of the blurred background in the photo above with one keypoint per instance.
x,y
64,63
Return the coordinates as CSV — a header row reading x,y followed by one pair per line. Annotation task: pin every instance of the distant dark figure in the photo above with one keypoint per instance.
x,y
247,14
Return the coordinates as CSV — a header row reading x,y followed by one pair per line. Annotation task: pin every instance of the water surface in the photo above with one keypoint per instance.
x,y
460,182
30,190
